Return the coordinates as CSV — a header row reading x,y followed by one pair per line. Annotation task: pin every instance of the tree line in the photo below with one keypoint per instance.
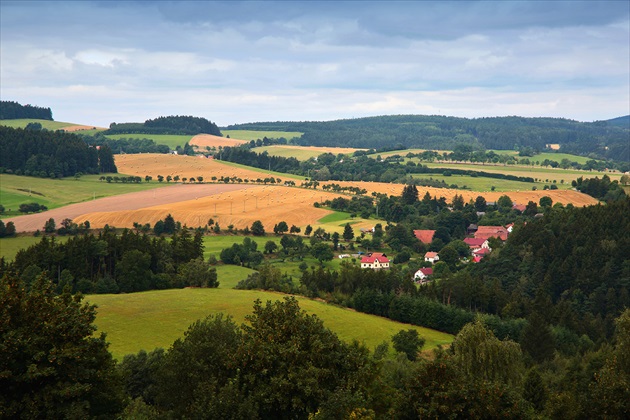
x,y
10,110
603,140
284,363
53,154
167,125
110,263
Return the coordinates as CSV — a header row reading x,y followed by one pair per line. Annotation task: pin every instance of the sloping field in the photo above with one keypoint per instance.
x,y
259,134
303,152
153,319
124,202
208,140
185,166
234,206
519,197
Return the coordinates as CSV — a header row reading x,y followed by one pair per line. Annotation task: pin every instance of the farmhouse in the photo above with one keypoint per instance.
x,y
487,232
480,253
424,236
422,276
375,261
476,243
431,257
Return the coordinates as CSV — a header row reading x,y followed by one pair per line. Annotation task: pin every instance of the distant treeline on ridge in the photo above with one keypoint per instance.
x,y
10,110
601,139
167,125
51,154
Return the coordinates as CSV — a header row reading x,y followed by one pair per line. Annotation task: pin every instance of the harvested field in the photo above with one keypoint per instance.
x,y
123,202
208,140
74,128
238,207
519,197
303,152
185,166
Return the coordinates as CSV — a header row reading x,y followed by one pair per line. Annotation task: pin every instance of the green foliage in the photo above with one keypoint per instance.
x,y
10,110
167,125
322,252
52,365
257,228
408,342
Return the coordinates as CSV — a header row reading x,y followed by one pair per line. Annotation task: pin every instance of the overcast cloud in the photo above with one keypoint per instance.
x,y
232,62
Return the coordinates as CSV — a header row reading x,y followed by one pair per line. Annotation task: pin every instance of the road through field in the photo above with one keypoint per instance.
x,y
124,202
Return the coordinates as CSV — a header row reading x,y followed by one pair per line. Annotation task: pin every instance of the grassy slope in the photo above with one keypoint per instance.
x,y
171,140
265,172
255,135
299,154
482,184
155,319
49,125
60,192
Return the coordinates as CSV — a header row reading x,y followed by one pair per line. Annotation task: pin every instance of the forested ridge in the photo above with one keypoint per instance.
x,y
10,110
167,125
601,139
52,154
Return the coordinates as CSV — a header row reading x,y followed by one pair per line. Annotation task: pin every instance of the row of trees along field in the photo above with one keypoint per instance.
x,y
167,125
112,263
50,154
284,363
10,110
602,139
359,167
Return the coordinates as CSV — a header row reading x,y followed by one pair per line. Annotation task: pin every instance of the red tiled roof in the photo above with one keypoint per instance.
x,y
424,236
486,232
427,271
481,252
430,254
474,242
370,258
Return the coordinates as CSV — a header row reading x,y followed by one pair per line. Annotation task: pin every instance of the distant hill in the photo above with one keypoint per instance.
x,y
10,110
623,122
167,125
605,140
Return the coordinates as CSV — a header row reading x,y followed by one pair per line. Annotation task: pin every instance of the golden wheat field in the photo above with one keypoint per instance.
x,y
202,141
240,208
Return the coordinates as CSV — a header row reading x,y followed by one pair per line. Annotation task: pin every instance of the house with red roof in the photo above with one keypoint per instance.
x,y
482,252
431,257
476,243
422,276
487,232
375,261
424,236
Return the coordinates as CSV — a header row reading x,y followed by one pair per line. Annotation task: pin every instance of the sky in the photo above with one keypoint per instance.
x,y
100,62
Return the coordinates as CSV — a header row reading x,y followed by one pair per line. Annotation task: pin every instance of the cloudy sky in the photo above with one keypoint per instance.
x,y
231,62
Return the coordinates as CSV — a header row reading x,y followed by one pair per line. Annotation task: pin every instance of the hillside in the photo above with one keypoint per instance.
x,y
603,140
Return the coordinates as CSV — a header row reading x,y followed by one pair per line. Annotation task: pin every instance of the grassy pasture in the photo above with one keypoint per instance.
x,y
255,135
48,125
287,152
264,171
485,184
171,140
9,247
545,155
14,190
153,319
543,174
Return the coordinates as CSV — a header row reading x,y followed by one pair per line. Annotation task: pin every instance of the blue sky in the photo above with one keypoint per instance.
x,y
232,62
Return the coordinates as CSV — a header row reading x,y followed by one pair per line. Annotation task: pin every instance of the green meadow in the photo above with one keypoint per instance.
x,y
546,155
485,184
9,247
47,124
53,193
264,171
255,135
171,140
153,319
544,175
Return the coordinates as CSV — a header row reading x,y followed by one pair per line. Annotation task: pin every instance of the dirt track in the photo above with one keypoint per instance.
x,y
125,202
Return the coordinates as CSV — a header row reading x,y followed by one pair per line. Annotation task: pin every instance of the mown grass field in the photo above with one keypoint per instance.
x,y
48,125
483,184
255,135
287,152
153,319
546,155
544,175
171,140
53,193
264,171
9,247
